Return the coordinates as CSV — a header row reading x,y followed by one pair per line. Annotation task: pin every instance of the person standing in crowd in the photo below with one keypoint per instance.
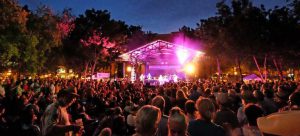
x,y
28,119
180,99
293,102
225,117
147,121
203,125
105,132
2,90
247,98
194,95
286,122
191,111
177,122
159,102
252,112
55,120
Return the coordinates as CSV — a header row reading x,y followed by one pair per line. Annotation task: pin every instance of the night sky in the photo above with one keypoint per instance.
x,y
159,16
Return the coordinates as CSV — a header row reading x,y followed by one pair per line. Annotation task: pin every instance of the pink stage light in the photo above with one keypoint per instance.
x,y
182,55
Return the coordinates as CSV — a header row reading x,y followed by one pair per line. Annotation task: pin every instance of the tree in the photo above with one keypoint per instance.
x,y
95,38
246,32
12,28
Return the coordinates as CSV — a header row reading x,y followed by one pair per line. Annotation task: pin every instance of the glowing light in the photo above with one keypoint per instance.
x,y
182,55
199,53
235,73
175,78
165,79
129,69
61,70
190,68
8,72
142,77
133,75
149,76
161,80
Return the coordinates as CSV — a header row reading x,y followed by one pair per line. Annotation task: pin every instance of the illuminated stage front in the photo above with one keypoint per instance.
x,y
161,58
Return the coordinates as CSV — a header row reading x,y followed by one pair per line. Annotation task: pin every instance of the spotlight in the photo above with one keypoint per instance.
x,y
190,68
128,69
182,55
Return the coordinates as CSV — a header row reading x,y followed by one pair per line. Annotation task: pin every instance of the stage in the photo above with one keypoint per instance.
x,y
160,60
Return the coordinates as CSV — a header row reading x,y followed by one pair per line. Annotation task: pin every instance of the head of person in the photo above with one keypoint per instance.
x,y
195,87
205,108
207,92
253,112
247,97
185,89
118,111
147,120
258,95
177,122
66,97
268,93
180,95
105,132
294,99
222,99
190,107
28,116
159,102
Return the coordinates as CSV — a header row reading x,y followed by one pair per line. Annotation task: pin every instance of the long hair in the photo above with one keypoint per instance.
x,y
177,117
180,95
147,120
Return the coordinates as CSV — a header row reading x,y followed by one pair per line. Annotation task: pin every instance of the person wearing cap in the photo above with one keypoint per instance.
x,y
55,120
293,102
289,118
281,123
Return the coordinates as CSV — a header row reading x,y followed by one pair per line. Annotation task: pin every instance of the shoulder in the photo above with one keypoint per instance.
x,y
165,117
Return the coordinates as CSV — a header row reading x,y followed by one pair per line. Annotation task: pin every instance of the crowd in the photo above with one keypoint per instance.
x,y
60,107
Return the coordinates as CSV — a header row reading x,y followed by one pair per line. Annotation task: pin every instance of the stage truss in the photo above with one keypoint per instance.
x,y
150,50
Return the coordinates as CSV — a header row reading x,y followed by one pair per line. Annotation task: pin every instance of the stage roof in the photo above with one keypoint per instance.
x,y
159,52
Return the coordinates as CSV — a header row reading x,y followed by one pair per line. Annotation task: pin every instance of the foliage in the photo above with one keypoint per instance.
x,y
242,30
96,38
27,37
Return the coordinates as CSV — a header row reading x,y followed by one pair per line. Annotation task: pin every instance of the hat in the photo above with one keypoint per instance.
x,y
281,123
68,92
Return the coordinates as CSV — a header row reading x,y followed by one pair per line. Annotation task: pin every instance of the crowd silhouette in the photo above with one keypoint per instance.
x,y
67,107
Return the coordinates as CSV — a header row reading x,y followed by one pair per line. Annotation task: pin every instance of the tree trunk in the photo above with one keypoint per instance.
x,y
280,69
110,73
258,68
93,67
240,69
265,69
219,69
96,55
277,68
86,66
